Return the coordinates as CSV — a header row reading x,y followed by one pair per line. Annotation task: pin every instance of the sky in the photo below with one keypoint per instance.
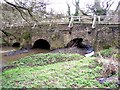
x,y
60,6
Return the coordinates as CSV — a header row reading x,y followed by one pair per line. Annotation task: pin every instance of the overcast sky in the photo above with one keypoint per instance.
x,y
61,6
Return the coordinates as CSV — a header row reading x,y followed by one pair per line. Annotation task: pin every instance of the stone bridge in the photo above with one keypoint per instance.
x,y
54,36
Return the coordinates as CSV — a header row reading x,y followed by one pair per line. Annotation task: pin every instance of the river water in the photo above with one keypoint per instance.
x,y
6,57
9,54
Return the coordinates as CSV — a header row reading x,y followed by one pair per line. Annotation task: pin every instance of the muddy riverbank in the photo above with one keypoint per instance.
x,y
9,54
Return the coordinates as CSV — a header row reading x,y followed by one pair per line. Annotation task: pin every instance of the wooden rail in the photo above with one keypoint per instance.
x,y
65,20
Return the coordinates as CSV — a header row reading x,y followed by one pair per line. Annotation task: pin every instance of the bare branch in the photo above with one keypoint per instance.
x,y
103,4
68,8
109,6
19,8
15,5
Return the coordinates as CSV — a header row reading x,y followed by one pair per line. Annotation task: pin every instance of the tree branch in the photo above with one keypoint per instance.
x,y
19,8
15,5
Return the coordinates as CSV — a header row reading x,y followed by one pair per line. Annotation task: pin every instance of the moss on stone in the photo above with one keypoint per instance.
x,y
26,35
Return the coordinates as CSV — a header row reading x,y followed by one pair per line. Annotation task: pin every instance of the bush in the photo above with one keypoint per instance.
x,y
108,52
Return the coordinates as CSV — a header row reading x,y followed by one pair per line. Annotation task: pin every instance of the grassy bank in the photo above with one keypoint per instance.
x,y
54,71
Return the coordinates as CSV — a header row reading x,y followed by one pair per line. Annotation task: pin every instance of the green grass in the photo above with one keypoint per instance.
x,y
109,52
65,71
44,59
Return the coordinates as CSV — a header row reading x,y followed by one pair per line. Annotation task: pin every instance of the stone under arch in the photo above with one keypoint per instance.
x,y
42,44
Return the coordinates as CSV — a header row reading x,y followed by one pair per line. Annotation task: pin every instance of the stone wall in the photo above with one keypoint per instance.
x,y
60,35
106,36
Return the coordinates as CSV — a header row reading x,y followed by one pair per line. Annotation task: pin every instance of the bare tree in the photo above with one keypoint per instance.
x,y
30,10
69,11
9,15
99,10
76,4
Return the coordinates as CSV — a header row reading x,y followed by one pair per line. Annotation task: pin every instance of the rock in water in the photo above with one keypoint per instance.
x,y
90,54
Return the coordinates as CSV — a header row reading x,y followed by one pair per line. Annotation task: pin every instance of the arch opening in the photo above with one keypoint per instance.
x,y
75,42
16,44
42,44
78,42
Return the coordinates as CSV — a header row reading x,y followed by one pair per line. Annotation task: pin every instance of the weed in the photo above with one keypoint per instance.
x,y
65,71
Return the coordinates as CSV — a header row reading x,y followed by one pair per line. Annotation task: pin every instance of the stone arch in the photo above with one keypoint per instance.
x,y
79,44
74,42
16,44
42,44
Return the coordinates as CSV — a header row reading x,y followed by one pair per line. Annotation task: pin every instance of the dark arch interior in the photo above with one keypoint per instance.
x,y
75,42
42,44
78,42
16,44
